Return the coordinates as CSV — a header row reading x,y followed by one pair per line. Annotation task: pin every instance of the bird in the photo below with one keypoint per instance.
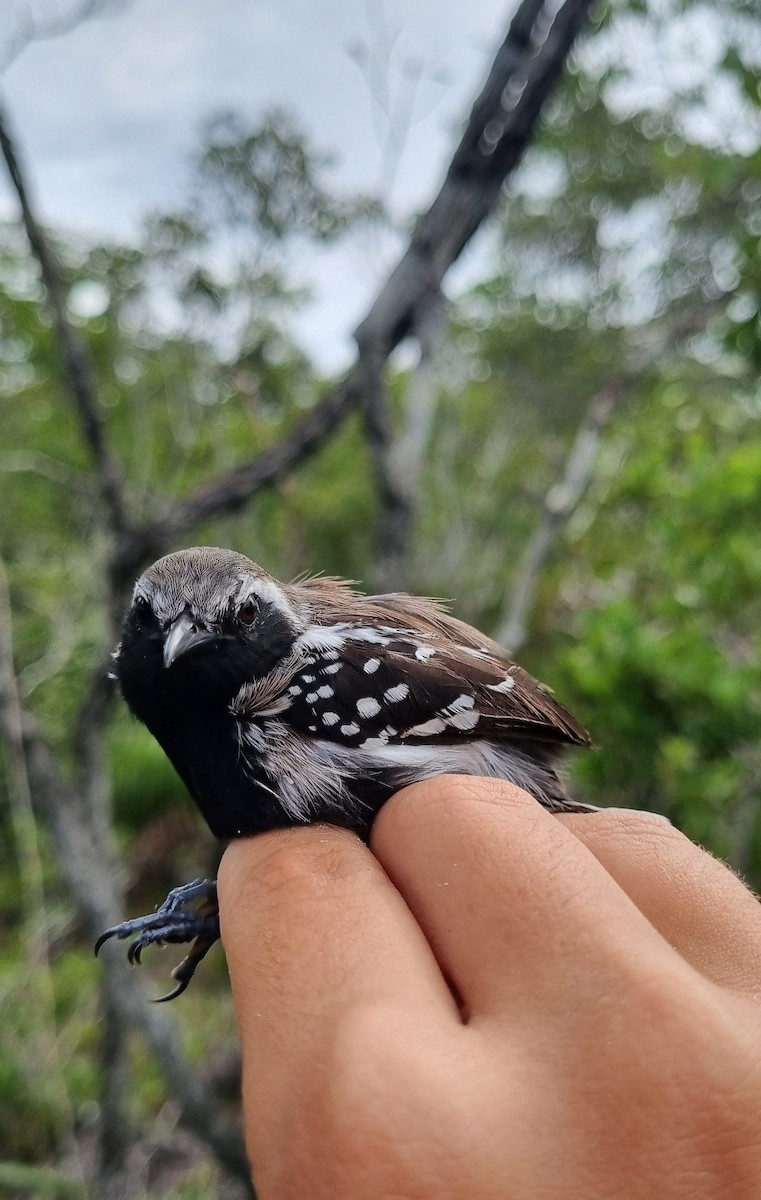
x,y
285,704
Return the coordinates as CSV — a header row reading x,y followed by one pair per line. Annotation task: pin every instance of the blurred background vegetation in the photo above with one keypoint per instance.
x,y
598,389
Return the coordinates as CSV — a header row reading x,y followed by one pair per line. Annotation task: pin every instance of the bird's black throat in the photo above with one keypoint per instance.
x,y
187,709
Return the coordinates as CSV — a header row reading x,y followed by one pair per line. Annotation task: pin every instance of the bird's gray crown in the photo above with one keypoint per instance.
x,y
207,580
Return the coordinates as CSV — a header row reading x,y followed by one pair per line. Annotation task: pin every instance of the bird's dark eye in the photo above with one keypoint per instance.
x,y
247,612
143,612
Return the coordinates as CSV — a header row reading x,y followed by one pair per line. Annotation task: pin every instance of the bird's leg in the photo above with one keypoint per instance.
x,y
172,923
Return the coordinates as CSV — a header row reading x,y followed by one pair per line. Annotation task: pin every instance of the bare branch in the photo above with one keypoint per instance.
x,y
114,1125
233,489
563,498
38,985
89,874
398,460
497,133
559,503
500,125
74,355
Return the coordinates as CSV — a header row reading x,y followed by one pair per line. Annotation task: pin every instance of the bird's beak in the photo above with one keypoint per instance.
x,y
183,635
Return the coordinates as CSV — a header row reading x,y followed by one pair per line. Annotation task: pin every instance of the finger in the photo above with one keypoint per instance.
x,y
508,898
314,931
699,906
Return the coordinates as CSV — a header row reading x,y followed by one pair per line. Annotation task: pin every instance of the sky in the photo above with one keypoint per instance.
x,y
106,114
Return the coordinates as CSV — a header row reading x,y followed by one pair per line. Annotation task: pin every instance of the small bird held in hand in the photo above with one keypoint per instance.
x,y
284,704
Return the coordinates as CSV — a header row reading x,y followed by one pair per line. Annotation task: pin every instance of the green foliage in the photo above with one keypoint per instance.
x,y
666,662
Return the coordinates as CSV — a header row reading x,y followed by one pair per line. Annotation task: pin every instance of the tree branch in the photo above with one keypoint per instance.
x,y
398,460
72,349
38,986
89,875
498,131
230,491
563,498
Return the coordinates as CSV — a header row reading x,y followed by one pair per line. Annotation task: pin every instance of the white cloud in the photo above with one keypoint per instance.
x,y
106,115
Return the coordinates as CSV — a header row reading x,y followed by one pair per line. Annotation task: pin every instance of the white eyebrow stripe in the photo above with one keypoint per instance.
x,y
265,589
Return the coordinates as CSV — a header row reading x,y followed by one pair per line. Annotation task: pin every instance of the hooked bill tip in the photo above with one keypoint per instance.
x,y
184,635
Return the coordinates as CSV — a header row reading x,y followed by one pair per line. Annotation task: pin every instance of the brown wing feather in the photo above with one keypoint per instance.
x,y
527,708
509,701
396,609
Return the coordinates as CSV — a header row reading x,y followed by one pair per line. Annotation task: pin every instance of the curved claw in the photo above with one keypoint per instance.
x,y
185,970
176,991
104,937
135,953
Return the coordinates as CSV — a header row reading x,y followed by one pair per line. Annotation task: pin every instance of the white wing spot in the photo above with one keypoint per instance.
x,y
350,730
331,670
295,690
397,693
368,706
311,697
506,685
374,743
330,718
361,633
462,702
423,653
371,665
427,729
325,692
308,678
464,720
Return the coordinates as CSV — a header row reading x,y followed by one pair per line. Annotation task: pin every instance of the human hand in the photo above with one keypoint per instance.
x,y
606,1036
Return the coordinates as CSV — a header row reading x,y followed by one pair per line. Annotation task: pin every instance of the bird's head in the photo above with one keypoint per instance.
x,y
202,623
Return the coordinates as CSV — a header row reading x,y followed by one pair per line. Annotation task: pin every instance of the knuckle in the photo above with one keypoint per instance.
x,y
627,826
447,799
301,864
311,866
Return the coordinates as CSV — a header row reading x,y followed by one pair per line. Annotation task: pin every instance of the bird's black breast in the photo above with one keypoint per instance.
x,y
233,792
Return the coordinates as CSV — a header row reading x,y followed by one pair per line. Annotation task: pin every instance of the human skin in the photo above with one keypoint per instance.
x,y
495,1004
